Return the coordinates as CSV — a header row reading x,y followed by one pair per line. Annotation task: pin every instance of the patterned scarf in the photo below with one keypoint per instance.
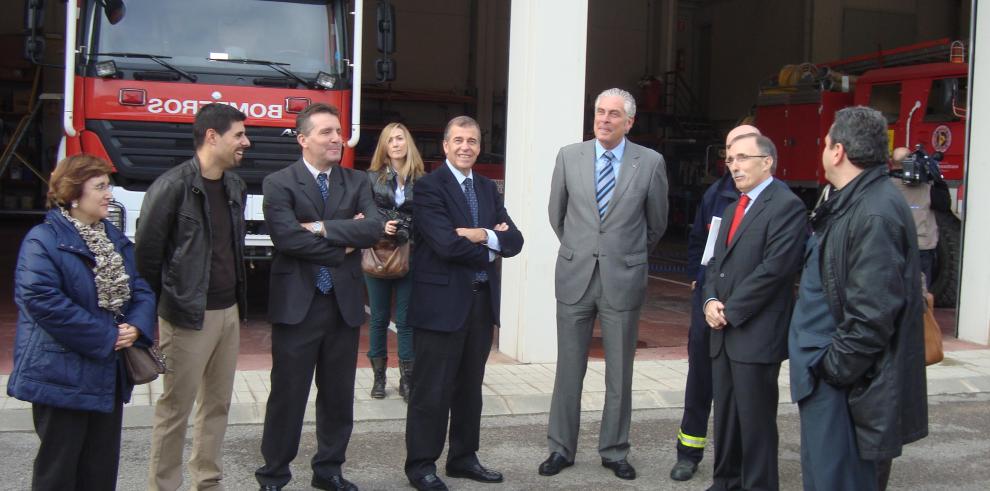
x,y
112,282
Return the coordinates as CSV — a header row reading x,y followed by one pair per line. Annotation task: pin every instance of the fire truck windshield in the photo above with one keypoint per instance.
x,y
303,35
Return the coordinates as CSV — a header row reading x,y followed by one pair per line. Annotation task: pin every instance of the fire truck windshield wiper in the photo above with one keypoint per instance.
x,y
160,59
274,65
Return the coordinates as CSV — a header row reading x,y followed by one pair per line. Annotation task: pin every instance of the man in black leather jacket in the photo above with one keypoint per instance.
x,y
856,339
190,248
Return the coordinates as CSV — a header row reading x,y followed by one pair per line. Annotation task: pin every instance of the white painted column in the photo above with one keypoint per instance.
x,y
973,319
545,111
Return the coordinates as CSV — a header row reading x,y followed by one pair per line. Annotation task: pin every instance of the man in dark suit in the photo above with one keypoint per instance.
x,y
693,432
749,291
461,227
317,214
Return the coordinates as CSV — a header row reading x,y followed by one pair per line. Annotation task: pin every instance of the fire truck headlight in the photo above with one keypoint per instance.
x,y
106,69
325,80
117,215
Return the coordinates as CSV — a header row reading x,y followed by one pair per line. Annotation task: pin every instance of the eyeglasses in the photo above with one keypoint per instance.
x,y
103,188
742,157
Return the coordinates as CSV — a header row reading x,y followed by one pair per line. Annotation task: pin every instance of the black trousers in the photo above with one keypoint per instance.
x,y
325,343
79,449
447,379
746,439
692,436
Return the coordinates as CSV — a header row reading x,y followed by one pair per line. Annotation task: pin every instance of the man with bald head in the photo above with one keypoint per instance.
x,y
692,435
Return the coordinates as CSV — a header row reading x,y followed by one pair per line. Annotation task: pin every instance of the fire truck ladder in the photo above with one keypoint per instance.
x,y
927,52
684,112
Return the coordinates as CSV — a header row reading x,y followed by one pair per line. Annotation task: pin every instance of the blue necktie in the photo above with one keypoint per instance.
x,y
605,184
323,280
472,200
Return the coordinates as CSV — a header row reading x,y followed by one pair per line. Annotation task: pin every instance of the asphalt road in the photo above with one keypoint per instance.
x,y
955,455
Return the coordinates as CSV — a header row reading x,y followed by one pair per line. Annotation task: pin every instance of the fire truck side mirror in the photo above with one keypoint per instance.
x,y
34,15
114,9
386,28
385,69
34,23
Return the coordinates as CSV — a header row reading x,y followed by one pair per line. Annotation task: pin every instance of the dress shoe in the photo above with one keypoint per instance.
x,y
554,464
429,482
475,472
621,468
335,482
270,487
683,470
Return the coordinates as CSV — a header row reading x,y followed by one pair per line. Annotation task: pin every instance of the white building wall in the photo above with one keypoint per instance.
x,y
547,52
973,318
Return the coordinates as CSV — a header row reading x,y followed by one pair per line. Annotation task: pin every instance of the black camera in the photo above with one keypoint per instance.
x,y
919,167
403,224
913,171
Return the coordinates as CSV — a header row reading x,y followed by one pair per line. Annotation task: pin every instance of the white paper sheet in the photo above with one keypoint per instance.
x,y
710,243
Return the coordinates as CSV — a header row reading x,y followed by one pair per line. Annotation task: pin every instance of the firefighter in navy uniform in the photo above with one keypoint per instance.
x,y
692,435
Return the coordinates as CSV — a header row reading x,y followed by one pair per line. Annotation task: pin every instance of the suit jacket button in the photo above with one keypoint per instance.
x,y
721,275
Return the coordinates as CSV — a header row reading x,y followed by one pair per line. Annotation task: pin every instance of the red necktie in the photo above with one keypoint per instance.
x,y
737,218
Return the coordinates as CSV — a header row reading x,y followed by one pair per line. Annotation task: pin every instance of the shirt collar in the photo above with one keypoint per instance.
x,y
755,192
617,151
458,175
316,172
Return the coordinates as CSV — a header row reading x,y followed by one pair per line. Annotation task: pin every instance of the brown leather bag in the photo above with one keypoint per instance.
x,y
933,333
386,260
143,364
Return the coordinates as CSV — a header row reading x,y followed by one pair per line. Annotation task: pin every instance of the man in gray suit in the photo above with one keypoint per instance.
x,y
608,207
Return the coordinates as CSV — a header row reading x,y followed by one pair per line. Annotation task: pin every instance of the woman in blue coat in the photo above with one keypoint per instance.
x,y
80,302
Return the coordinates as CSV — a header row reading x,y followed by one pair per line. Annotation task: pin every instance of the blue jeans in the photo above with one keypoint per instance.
x,y
380,298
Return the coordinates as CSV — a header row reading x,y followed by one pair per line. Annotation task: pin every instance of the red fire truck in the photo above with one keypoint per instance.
x,y
921,89
134,80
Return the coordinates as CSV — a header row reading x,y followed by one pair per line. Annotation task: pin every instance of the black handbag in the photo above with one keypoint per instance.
x,y
144,364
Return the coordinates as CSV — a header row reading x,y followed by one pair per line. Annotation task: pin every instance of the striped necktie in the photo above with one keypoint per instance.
x,y
324,282
605,184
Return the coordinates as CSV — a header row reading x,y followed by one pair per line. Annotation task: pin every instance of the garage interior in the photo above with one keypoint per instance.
x,y
695,66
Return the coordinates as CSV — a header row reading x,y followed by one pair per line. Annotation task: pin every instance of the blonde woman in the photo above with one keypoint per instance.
x,y
394,169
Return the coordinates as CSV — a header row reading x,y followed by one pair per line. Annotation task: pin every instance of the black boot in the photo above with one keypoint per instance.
x,y
378,388
405,379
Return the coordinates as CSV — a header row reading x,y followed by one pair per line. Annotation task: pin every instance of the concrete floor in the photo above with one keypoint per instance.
x,y
953,457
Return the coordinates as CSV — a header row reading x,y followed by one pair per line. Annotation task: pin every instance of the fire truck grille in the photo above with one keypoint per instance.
x,y
141,151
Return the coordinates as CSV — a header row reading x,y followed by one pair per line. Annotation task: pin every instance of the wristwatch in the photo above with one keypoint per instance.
x,y
318,228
